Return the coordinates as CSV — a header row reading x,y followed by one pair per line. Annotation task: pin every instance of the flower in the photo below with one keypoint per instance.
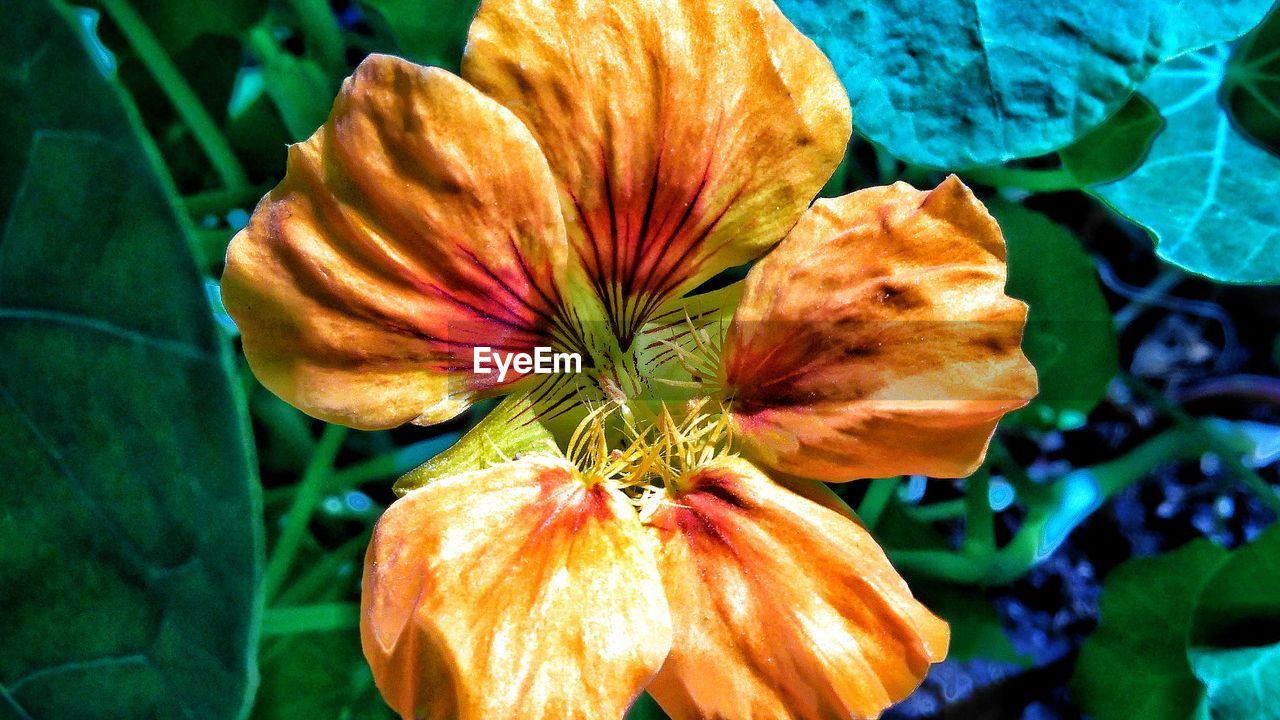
x,y
595,163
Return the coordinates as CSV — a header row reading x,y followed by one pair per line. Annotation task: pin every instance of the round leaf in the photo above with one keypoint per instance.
x,y
964,83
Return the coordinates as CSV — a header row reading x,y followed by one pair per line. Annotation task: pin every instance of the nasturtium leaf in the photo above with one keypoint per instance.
x,y
318,675
976,629
1135,664
130,538
1070,336
297,86
1116,147
431,32
1252,88
177,24
1240,683
962,83
1235,636
1206,193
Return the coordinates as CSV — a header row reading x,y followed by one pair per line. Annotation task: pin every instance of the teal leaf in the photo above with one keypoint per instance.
x,y
1116,147
1070,336
1240,683
1135,664
130,538
1206,193
964,83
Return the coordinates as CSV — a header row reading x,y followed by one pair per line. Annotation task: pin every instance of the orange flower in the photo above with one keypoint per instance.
x,y
599,161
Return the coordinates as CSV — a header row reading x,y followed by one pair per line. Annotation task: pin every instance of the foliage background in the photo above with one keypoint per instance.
x,y
177,542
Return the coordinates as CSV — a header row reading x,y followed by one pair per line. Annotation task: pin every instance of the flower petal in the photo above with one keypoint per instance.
x,y
877,339
512,592
687,136
782,608
419,221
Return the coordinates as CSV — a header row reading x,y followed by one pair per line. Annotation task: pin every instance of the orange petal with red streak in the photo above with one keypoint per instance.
x,y
419,221
877,340
516,592
782,608
687,136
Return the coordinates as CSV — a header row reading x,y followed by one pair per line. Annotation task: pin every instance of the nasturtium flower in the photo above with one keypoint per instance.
x,y
596,162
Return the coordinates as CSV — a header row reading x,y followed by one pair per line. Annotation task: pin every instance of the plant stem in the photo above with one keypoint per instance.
x,y
877,498
324,36
311,488
1214,440
179,92
218,202
1056,180
324,573
979,524
310,618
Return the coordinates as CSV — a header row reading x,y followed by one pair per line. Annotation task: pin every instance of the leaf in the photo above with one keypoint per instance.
x,y
1236,633
1205,193
298,87
1070,337
979,82
1241,684
1135,664
1117,147
1252,88
430,32
318,675
976,629
130,539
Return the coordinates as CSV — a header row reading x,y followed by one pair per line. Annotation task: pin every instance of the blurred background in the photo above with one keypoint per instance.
x,y
175,541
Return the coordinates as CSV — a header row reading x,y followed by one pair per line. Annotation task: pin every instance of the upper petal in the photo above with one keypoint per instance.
x,y
877,339
687,136
419,221
512,592
782,608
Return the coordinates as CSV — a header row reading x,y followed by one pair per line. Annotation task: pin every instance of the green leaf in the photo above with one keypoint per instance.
x,y
318,676
1206,193
1135,664
976,629
979,82
130,541
1070,337
1252,88
298,87
431,32
1117,147
1236,633
511,429
177,25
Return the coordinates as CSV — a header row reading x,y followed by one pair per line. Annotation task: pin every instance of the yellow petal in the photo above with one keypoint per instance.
x,y
512,592
782,608
687,136
419,221
877,339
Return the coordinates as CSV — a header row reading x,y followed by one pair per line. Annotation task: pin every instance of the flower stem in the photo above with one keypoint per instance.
x,y
310,618
877,498
1055,180
179,92
324,36
1216,441
311,488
